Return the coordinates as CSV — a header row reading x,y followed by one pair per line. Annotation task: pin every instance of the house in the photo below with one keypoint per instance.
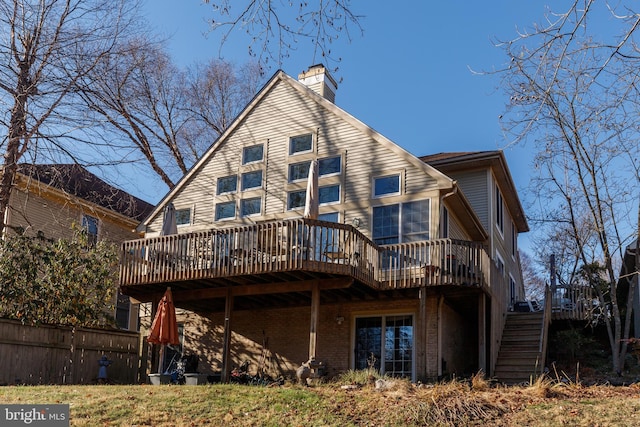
x,y
411,265
51,198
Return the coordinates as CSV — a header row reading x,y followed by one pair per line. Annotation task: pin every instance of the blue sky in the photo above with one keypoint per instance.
x,y
409,76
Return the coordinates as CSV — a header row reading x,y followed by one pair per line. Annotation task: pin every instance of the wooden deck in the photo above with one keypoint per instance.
x,y
296,250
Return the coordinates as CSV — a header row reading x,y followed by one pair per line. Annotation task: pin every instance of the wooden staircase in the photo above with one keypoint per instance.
x,y
521,355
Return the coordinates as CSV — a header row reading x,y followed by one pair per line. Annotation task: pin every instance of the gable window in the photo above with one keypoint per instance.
x,y
300,144
227,184
328,194
251,180
250,206
90,227
296,199
499,210
329,166
299,171
225,210
183,216
252,154
386,185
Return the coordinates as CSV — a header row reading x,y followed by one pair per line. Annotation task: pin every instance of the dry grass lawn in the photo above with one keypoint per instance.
x,y
336,404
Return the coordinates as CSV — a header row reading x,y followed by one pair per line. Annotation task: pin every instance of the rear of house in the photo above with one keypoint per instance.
x,y
402,269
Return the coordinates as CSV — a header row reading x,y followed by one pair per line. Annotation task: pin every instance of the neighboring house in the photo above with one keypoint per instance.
x,y
410,267
50,199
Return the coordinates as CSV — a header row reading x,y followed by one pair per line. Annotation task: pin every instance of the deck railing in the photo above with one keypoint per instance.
x,y
574,303
300,244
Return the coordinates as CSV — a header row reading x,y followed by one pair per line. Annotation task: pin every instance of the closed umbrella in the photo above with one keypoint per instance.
x,y
311,201
169,225
164,329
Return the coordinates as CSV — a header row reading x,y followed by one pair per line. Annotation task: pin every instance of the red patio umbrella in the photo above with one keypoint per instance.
x,y
164,329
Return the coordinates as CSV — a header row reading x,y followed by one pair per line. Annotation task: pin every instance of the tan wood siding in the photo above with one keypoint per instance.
x,y
474,185
362,159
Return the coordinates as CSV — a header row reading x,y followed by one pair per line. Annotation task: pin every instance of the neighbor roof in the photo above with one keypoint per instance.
x,y
77,181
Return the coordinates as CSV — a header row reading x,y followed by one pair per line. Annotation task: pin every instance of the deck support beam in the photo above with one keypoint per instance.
x,y
315,310
226,345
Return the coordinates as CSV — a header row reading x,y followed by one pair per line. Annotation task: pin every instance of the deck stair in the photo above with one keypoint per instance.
x,y
521,351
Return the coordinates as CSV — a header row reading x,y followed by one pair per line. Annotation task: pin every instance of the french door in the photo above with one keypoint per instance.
x,y
385,343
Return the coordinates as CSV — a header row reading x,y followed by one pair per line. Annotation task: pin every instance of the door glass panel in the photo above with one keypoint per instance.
x,y
368,342
398,346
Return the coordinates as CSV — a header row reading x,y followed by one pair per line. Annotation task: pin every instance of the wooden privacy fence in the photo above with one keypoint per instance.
x,y
61,355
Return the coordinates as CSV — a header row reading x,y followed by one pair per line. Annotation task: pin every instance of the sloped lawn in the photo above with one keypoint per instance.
x,y
337,404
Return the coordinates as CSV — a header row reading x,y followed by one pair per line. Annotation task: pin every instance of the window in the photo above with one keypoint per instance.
x,y
183,216
251,180
407,222
512,289
227,184
225,210
499,210
90,227
250,206
299,171
252,154
386,185
444,224
123,307
328,194
329,166
296,199
514,239
387,341
500,263
415,221
385,224
300,144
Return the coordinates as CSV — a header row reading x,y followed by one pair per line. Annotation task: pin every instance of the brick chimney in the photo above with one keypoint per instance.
x,y
318,79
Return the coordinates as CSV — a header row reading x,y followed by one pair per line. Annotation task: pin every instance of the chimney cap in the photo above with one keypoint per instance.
x,y
318,74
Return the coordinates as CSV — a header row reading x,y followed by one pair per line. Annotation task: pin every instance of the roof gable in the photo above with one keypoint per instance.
x,y
280,78
495,160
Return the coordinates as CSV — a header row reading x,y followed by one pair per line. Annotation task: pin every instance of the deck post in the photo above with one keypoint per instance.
x,y
482,334
226,345
422,335
315,308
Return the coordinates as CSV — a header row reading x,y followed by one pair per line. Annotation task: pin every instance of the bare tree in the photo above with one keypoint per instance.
x,y
275,28
534,284
45,47
574,96
167,116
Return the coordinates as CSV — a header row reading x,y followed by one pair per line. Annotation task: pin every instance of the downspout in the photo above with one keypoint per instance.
x,y
449,194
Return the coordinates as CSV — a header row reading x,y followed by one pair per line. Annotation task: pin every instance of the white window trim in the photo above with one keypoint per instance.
x,y
386,175
227,218
243,163
250,215
226,192
190,209
499,211
297,153
335,173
